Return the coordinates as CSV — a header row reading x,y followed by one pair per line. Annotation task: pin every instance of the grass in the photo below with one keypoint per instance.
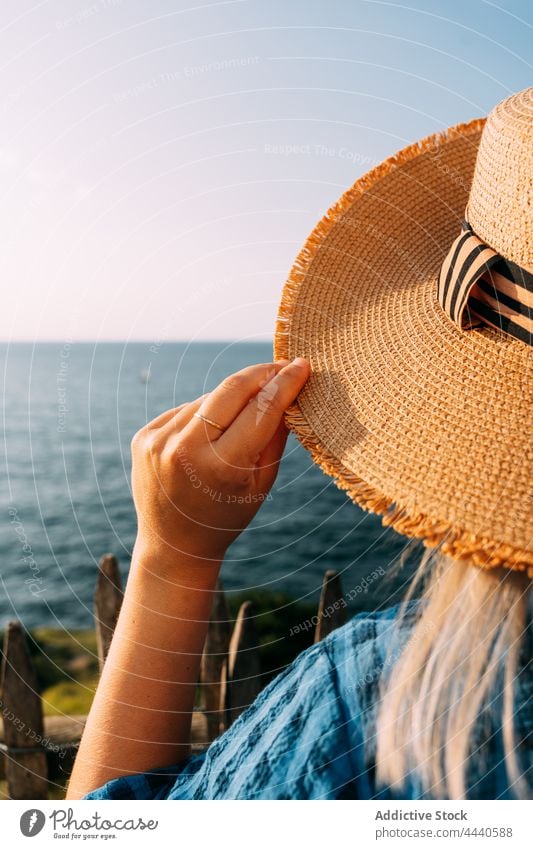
x,y
67,669
56,790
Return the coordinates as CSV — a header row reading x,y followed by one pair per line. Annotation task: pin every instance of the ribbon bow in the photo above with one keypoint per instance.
x,y
477,286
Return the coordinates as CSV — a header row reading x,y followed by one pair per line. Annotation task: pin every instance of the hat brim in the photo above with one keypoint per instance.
x,y
417,420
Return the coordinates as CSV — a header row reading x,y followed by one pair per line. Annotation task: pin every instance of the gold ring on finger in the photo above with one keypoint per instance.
x,y
210,421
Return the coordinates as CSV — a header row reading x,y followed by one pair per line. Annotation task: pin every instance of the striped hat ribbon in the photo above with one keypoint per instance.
x,y
477,287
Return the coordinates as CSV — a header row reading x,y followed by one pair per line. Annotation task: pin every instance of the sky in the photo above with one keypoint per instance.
x,y
161,163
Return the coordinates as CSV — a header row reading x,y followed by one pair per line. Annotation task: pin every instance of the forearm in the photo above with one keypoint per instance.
x,y
141,714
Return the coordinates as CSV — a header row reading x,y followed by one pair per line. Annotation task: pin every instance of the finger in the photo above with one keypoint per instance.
x,y
255,426
177,423
267,464
169,415
230,397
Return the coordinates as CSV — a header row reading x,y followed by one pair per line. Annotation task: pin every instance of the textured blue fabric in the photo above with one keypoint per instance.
x,y
311,733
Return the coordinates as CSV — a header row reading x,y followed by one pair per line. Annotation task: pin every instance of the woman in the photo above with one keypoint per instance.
x,y
418,403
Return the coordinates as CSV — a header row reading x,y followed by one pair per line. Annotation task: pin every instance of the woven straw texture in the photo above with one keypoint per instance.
x,y
418,421
500,208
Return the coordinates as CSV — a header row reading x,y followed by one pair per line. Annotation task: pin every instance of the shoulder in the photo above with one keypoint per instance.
x,y
361,653
295,741
365,644
320,674
287,744
298,740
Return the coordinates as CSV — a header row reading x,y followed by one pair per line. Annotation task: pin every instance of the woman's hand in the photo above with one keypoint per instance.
x,y
196,487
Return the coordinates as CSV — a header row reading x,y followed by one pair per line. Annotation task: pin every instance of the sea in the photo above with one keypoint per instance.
x,y
70,410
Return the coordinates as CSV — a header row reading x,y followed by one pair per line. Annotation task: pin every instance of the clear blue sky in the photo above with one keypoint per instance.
x,y
162,162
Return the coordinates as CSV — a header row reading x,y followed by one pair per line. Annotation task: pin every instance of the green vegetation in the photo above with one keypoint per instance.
x,y
66,663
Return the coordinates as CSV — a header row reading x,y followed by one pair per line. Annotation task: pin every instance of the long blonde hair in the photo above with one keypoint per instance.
x,y
469,630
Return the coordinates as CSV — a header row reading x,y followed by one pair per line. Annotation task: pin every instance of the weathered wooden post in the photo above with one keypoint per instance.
x,y
214,662
243,681
25,759
107,603
331,609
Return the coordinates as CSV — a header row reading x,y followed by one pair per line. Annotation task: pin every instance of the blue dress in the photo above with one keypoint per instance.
x,y
311,733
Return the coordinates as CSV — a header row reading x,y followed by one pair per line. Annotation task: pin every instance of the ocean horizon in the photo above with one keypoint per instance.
x,y
70,410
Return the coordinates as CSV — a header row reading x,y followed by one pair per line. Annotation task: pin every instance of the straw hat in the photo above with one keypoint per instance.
x,y
413,301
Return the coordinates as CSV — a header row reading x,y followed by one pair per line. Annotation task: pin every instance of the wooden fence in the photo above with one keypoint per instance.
x,y
32,746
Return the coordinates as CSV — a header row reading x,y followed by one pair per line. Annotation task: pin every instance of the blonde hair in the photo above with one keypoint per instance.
x,y
469,630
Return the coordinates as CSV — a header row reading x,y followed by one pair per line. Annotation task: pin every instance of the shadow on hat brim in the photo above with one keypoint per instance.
x,y
415,419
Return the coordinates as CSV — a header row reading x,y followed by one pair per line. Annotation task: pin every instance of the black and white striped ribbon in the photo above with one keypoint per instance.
x,y
478,286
